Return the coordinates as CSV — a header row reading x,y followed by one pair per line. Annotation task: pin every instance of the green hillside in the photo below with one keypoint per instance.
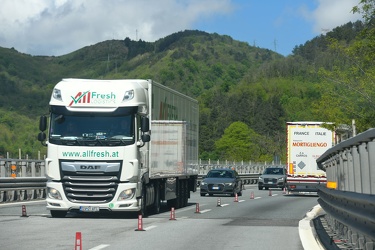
x,y
237,85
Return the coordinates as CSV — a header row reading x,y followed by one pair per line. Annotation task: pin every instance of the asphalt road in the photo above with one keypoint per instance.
x,y
257,220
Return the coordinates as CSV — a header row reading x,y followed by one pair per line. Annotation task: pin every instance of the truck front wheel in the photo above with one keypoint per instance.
x,y
143,210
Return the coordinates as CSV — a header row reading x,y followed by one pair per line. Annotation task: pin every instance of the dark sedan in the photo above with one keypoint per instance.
x,y
221,181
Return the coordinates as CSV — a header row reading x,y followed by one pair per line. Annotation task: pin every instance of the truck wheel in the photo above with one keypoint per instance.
x,y
58,213
143,210
185,196
260,187
174,203
157,202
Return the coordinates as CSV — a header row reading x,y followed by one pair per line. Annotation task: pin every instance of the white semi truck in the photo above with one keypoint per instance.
x,y
119,145
306,141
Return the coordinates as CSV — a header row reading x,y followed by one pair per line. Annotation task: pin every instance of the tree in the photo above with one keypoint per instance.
x,y
348,88
239,142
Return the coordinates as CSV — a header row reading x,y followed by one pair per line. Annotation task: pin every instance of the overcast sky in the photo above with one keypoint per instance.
x,y
58,27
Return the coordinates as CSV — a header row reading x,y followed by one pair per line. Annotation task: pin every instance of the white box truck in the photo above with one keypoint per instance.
x,y
306,141
119,145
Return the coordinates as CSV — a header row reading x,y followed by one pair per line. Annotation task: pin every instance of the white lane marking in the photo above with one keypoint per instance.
x,y
149,228
102,246
187,208
224,205
205,211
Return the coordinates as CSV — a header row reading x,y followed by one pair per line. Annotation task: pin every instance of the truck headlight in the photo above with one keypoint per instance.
x,y
57,94
126,194
54,194
128,95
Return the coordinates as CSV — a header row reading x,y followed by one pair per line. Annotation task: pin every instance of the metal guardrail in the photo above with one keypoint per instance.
x,y
23,188
21,168
25,179
22,180
349,198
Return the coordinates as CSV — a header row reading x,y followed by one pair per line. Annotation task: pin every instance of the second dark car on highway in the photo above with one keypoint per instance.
x,y
221,181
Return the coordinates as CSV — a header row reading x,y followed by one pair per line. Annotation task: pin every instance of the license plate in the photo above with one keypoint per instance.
x,y
89,209
216,188
270,182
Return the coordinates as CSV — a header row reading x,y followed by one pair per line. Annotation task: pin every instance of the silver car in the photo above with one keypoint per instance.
x,y
272,178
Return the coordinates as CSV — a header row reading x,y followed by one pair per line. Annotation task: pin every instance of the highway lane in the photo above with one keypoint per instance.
x,y
263,222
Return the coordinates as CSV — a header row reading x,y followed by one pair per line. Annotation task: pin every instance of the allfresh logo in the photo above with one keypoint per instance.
x,y
93,98
80,98
90,154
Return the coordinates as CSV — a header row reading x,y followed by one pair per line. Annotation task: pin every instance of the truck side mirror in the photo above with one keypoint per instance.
x,y
42,123
42,136
146,138
145,124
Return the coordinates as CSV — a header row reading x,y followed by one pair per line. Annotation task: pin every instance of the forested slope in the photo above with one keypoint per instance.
x,y
245,93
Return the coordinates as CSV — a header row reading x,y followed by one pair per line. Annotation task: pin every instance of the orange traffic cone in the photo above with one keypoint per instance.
x,y
78,243
140,223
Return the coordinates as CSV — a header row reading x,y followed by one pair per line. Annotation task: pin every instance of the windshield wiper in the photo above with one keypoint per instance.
x,y
70,140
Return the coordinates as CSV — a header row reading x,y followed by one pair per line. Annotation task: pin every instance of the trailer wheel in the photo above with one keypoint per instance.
x,y
185,196
177,202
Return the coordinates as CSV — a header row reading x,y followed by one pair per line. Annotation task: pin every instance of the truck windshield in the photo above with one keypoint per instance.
x,y
95,130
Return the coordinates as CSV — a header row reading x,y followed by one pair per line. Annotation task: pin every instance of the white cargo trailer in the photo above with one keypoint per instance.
x,y
306,141
119,145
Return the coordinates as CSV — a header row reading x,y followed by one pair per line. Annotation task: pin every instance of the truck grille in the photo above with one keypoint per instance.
x,y
90,186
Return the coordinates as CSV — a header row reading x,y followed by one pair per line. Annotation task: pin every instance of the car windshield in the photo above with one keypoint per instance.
x,y
220,174
274,171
